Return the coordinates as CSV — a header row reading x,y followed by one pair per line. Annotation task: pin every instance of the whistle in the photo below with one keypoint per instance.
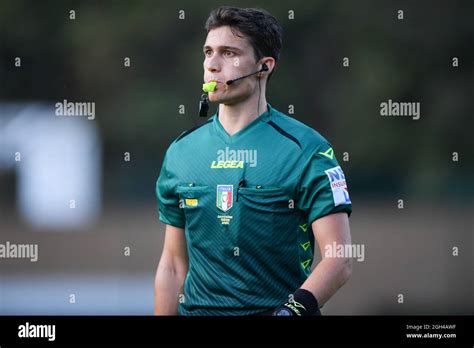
x,y
209,86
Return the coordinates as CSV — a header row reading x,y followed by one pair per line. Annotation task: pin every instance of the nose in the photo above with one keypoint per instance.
x,y
212,64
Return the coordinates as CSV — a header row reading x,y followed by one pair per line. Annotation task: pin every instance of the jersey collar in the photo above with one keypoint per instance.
x,y
264,117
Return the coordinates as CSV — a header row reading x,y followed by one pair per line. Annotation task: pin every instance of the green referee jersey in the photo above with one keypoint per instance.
x,y
246,203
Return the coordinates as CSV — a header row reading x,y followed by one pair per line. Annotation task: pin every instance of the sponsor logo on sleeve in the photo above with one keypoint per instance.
x,y
337,180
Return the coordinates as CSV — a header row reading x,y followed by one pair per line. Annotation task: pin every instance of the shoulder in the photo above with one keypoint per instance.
x,y
190,137
307,138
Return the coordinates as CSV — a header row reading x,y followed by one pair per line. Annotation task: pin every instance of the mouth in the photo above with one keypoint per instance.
x,y
210,86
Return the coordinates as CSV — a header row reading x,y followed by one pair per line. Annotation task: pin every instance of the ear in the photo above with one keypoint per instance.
x,y
270,63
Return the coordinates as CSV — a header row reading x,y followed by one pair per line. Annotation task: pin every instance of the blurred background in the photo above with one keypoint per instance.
x,y
82,188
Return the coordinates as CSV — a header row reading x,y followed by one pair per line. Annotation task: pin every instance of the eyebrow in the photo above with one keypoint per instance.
x,y
223,48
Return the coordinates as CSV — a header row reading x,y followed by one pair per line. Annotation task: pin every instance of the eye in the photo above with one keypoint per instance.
x,y
208,53
228,54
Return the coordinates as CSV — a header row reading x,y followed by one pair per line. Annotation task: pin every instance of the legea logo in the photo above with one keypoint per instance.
x,y
227,158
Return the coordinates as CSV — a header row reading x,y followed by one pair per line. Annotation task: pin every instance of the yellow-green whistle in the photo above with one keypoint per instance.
x,y
209,86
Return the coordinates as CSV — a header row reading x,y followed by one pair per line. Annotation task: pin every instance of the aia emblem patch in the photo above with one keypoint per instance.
x,y
225,197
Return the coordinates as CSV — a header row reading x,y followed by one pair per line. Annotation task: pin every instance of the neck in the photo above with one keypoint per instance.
x,y
235,117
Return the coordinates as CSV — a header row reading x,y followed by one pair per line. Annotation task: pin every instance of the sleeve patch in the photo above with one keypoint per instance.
x,y
337,180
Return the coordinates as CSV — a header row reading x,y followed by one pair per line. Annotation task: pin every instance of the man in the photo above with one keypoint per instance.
x,y
245,195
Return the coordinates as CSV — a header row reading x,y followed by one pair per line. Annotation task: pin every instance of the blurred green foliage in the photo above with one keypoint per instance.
x,y
138,107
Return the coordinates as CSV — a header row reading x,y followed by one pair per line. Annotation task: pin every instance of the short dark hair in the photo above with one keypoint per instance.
x,y
261,28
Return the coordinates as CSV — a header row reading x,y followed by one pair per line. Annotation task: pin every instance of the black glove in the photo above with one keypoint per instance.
x,y
302,304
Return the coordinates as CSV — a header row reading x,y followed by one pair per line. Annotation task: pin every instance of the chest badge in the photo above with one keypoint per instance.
x,y
225,197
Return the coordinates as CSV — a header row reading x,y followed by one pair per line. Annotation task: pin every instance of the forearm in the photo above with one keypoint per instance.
x,y
168,288
327,277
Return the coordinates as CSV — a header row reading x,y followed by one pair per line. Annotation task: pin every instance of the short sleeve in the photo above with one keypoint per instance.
x,y
322,187
168,200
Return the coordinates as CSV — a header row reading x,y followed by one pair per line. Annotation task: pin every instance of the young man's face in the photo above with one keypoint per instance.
x,y
227,57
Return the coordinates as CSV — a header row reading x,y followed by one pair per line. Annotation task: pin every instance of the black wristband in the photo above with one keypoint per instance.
x,y
307,299
303,304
